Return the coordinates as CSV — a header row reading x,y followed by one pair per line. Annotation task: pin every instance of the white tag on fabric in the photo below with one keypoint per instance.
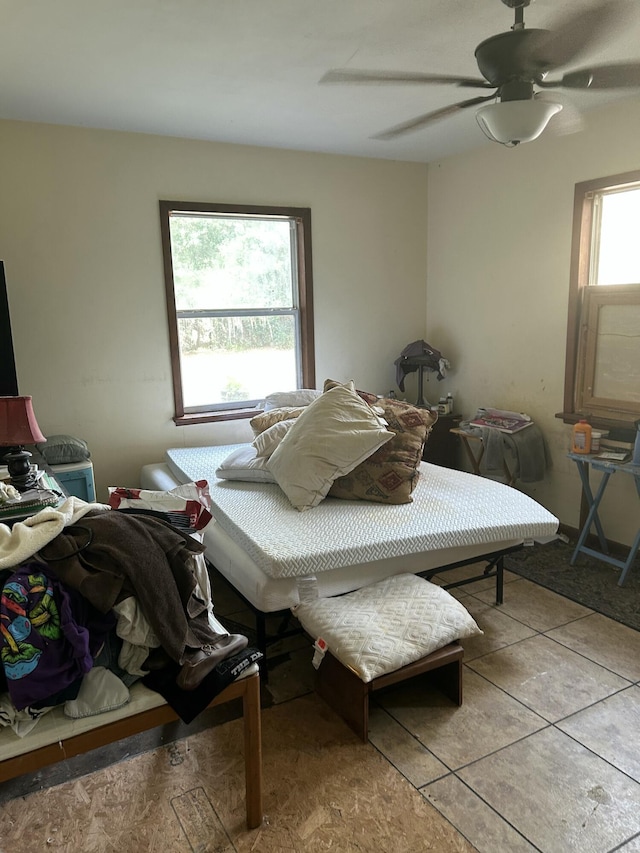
x,y
320,647
307,589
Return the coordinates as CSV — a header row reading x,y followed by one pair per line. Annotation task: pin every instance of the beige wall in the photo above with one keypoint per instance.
x,y
499,240
80,238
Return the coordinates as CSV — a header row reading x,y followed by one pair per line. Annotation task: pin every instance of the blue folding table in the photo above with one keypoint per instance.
x,y
584,462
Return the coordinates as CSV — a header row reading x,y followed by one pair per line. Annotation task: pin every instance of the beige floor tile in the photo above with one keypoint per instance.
x,y
536,606
463,572
547,677
611,729
459,593
296,643
295,677
477,821
499,629
487,720
604,641
509,577
557,794
407,754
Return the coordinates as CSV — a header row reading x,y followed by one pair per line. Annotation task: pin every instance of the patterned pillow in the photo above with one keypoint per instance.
x,y
265,420
391,473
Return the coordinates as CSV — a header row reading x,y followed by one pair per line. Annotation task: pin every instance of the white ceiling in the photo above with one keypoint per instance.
x,y
247,71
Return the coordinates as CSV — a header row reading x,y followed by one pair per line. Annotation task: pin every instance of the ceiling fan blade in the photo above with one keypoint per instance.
x,y
574,34
568,120
619,75
354,75
429,118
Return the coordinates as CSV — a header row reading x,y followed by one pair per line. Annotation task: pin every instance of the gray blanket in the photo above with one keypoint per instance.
x,y
528,448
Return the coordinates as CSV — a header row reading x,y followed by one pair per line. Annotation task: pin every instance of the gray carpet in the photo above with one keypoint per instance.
x,y
590,582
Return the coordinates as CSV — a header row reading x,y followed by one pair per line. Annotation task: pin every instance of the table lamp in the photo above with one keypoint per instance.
x,y
18,426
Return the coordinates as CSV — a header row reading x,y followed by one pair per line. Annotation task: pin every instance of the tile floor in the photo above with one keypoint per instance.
x,y
544,753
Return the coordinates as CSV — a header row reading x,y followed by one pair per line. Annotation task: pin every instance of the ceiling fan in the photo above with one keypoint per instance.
x,y
514,65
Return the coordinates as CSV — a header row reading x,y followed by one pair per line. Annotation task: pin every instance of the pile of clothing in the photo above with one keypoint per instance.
x,y
87,588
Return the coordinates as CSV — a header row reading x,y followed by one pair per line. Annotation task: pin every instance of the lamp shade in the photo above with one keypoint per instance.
x,y
513,122
18,424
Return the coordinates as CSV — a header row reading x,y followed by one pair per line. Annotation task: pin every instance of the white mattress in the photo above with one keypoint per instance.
x,y
450,509
268,550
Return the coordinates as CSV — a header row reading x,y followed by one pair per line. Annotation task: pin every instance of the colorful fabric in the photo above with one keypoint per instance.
x,y
49,635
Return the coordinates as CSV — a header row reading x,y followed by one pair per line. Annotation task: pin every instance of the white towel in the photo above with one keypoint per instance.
x,y
26,538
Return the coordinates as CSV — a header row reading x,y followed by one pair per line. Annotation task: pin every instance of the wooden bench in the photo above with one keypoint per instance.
x,y
348,695
91,733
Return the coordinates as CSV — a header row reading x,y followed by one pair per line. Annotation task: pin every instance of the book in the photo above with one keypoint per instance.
x,y
613,456
501,420
614,444
32,500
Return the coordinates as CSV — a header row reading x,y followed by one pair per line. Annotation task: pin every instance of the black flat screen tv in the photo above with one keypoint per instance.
x,y
8,376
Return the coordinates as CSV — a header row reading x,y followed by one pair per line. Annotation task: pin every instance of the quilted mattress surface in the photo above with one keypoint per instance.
x,y
449,509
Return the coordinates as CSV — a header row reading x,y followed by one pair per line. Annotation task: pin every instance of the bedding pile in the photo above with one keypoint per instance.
x,y
345,443
95,599
390,513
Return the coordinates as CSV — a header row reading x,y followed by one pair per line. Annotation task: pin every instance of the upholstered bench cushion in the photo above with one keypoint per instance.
x,y
382,627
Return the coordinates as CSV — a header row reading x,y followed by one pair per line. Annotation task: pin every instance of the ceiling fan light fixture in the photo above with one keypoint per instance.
x,y
513,122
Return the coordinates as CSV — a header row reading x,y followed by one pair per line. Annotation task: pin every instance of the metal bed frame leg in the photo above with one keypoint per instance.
x,y
500,580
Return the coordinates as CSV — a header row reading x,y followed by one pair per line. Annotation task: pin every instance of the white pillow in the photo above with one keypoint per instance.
x,y
101,690
267,441
244,464
332,435
382,627
300,397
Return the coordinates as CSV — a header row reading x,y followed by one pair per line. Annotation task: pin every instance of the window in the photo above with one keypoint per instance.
x,y
239,303
602,377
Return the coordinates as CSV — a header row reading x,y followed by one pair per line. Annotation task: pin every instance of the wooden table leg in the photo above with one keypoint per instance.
x,y
253,751
475,461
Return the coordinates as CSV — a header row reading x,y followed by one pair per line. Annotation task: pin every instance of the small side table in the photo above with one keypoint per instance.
x,y
441,447
48,480
584,462
476,458
77,479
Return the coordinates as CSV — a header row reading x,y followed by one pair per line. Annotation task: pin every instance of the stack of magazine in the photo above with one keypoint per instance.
x,y
501,420
43,495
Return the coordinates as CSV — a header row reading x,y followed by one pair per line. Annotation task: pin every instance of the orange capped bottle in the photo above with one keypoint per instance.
x,y
581,442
